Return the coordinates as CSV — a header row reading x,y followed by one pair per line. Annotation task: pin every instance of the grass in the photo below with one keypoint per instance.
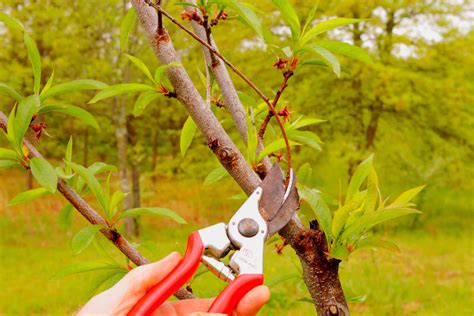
x,y
432,275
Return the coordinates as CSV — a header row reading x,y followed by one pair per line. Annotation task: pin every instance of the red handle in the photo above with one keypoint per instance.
x,y
226,302
173,281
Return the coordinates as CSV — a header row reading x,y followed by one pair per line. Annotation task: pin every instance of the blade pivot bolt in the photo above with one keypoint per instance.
x,y
248,227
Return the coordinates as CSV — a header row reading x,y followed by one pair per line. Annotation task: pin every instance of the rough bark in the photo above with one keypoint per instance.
x,y
94,217
321,277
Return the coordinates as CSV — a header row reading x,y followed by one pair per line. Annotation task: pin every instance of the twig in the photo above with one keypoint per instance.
x,y
94,217
249,82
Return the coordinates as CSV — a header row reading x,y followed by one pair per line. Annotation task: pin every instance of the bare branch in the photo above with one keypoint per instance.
x,y
94,217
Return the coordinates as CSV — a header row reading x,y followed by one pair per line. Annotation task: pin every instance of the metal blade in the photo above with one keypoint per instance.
x,y
277,205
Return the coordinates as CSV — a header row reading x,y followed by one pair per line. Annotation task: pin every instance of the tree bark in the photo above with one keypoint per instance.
x,y
317,273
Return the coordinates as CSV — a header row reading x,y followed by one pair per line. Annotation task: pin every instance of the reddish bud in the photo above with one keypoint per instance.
x,y
280,63
193,16
285,113
350,248
217,101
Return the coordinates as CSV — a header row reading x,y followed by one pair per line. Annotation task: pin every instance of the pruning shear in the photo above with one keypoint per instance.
x,y
266,211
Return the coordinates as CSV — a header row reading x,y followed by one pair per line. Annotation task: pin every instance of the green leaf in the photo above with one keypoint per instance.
x,y
372,242
304,173
143,101
8,154
29,195
73,111
6,164
7,90
329,58
44,173
275,146
128,23
305,137
35,60
65,216
299,123
160,71
310,17
93,184
319,207
406,197
282,278
252,138
24,113
115,203
113,277
140,65
340,218
112,91
159,211
360,174
84,237
73,86
68,157
11,132
215,175
357,299
248,15
86,266
48,84
367,221
187,135
373,191
326,26
288,14
347,49
11,21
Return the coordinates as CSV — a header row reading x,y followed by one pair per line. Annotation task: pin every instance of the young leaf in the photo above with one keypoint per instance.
x,y
44,173
291,18
275,146
113,277
305,137
310,17
35,60
187,135
373,191
320,209
29,196
68,157
6,164
159,211
329,58
115,203
128,23
360,174
8,154
48,84
248,15
73,86
140,65
215,175
73,111
143,101
372,242
25,111
65,216
326,26
93,184
304,173
340,218
11,21
84,237
347,49
406,197
112,91
367,221
86,266
304,122
7,90
160,71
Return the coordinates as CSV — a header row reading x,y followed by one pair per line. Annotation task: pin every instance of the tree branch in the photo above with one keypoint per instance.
x,y
94,217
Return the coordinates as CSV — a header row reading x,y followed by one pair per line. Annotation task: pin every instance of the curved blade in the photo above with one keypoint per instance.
x,y
277,205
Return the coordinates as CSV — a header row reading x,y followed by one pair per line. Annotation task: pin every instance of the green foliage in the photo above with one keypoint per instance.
x,y
84,237
35,60
7,90
143,101
128,23
71,110
273,147
157,211
11,21
87,266
72,86
29,195
319,207
44,173
215,175
288,13
187,134
88,175
123,88
65,216
325,26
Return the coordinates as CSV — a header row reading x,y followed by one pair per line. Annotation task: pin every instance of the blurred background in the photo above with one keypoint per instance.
x,y
413,108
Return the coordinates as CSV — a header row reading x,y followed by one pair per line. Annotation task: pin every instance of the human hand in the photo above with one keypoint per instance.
x,y
120,299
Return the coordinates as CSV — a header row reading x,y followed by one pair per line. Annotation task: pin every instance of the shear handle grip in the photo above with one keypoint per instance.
x,y
227,301
183,272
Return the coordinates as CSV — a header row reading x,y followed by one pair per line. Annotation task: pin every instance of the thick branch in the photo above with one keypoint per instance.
x,y
94,217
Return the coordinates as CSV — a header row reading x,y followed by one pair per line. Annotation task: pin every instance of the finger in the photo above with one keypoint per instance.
x,y
253,301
